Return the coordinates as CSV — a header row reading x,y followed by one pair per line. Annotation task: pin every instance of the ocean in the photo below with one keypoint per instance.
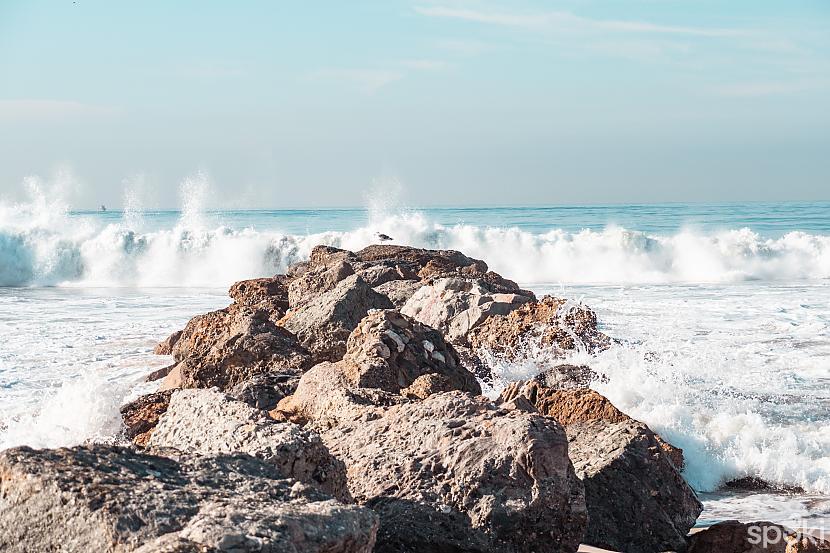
x,y
721,312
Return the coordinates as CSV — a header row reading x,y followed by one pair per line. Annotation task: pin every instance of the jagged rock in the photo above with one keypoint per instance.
x,y
574,405
443,262
398,291
551,323
113,499
324,323
326,397
209,422
454,473
269,294
457,305
389,350
141,415
231,346
387,354
316,280
637,500
165,347
566,376
264,391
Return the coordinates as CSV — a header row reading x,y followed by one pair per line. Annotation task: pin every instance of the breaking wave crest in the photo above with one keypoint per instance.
x,y
44,245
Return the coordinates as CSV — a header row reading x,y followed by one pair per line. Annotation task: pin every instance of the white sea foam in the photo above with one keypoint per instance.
x,y
41,245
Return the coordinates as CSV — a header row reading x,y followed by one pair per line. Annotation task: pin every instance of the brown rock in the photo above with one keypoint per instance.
x,y
637,500
454,473
141,416
269,294
398,291
165,347
324,323
550,323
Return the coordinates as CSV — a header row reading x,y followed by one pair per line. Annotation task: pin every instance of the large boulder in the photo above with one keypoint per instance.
x,y
324,322
732,536
552,323
389,351
570,405
113,499
269,294
457,305
227,347
209,422
637,500
399,291
455,473
389,357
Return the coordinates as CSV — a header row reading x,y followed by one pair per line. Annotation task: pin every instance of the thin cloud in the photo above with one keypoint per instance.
x,y
756,90
28,108
566,21
423,65
368,81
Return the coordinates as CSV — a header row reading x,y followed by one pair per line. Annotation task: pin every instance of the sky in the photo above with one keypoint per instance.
x,y
452,103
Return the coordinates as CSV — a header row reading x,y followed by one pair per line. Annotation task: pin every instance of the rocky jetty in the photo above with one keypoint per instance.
x,y
338,408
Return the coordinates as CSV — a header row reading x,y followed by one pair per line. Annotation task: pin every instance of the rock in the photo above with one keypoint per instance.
x,y
389,357
551,323
113,499
456,305
443,262
231,346
454,473
323,324
326,397
398,291
755,484
159,373
732,536
165,347
264,391
141,416
637,500
209,422
574,405
316,280
389,351
268,294
569,377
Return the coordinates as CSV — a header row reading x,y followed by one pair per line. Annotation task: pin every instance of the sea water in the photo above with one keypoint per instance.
x,y
721,313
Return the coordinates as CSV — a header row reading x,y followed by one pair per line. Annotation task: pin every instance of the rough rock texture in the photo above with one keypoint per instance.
x,y
320,277
457,305
574,405
389,350
229,346
112,499
268,294
551,323
264,391
637,500
165,347
324,322
326,397
141,416
209,422
389,356
454,473
399,291
569,376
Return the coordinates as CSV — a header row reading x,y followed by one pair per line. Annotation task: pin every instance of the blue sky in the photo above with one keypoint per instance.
x,y
287,104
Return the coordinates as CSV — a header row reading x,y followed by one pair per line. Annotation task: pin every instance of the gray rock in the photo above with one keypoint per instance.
x,y
324,323
209,422
457,305
113,499
454,473
637,500
264,391
399,291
